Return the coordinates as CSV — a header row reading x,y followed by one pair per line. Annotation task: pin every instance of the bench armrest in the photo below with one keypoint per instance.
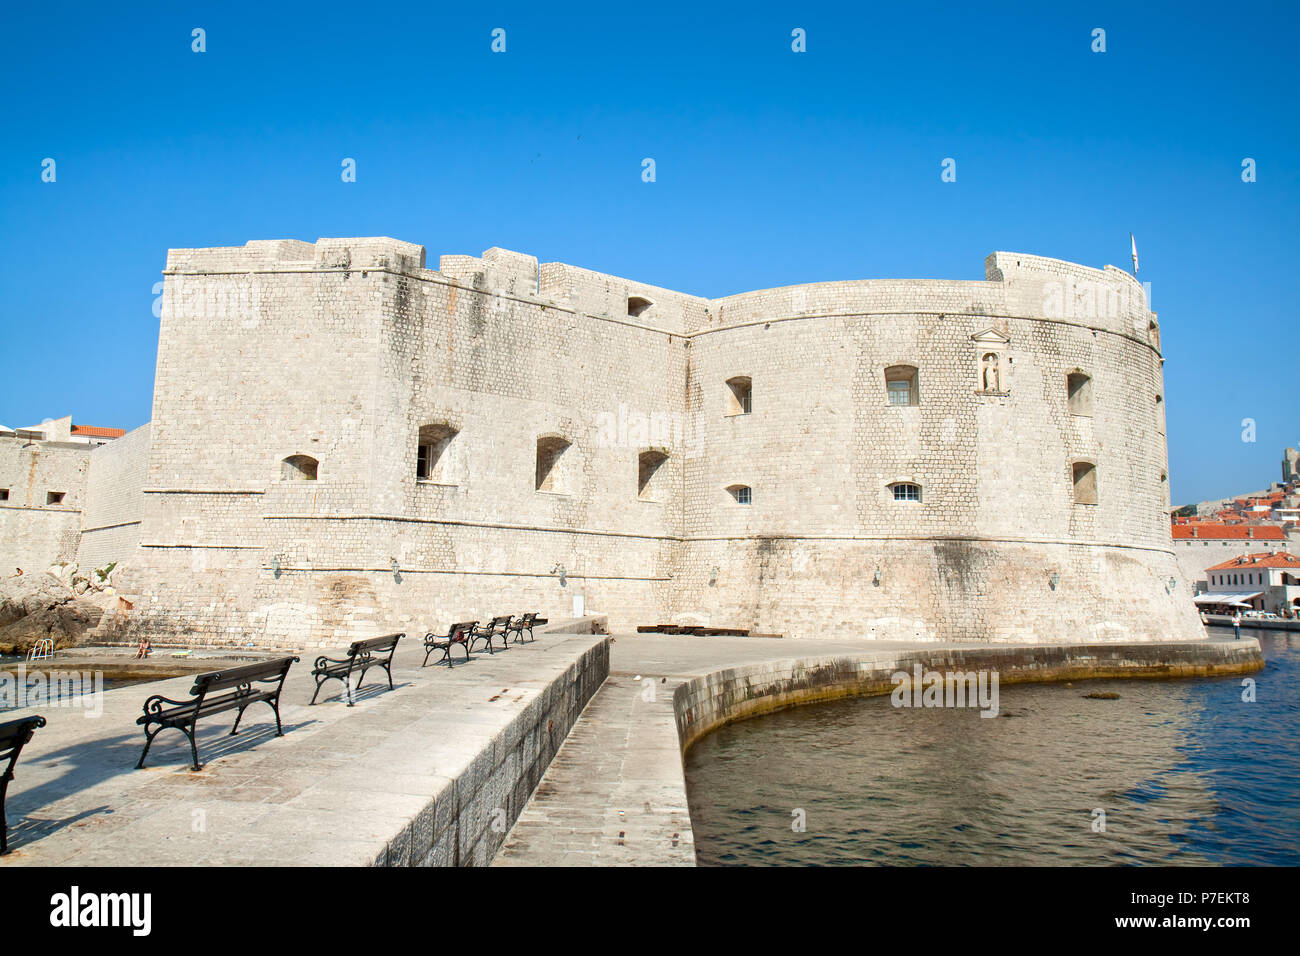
x,y
323,660
155,704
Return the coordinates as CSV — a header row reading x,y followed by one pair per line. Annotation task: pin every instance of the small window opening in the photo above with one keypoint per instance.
x,y
550,476
743,494
299,468
1085,483
901,385
637,305
1079,390
4,494
54,497
649,464
741,398
432,455
906,491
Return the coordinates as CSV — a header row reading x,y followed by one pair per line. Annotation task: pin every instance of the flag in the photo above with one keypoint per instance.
x,y
1135,252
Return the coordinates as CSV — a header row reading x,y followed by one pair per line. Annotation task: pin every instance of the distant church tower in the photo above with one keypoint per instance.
x,y
1290,465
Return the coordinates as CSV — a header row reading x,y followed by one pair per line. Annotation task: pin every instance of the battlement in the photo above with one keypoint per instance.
x,y
290,254
1016,285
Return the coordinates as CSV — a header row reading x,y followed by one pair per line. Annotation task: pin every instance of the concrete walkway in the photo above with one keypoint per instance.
x,y
430,772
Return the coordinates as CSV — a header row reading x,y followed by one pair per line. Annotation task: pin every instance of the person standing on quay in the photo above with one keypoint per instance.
x,y
1236,625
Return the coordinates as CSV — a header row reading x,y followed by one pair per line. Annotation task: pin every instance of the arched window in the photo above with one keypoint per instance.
x,y
1085,483
551,475
433,456
740,395
649,463
902,385
743,494
299,468
905,491
637,305
1079,393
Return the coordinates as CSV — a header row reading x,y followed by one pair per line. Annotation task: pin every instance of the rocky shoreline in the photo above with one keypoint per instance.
x,y
64,603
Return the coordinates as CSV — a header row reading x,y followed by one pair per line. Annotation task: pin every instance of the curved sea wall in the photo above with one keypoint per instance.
x,y
706,703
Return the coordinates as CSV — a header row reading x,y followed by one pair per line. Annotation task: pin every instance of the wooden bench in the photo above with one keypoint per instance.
x,y
456,634
206,698
14,735
361,657
498,627
523,623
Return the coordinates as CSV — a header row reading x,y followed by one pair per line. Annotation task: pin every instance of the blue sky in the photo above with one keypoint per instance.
x,y
772,167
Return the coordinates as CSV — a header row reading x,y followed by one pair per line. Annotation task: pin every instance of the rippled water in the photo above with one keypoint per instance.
x,y
55,686
1186,772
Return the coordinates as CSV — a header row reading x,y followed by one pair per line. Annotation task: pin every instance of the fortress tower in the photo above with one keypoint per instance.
x,y
344,440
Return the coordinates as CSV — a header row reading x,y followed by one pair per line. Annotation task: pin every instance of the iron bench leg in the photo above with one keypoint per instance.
x,y
148,742
4,820
275,706
319,682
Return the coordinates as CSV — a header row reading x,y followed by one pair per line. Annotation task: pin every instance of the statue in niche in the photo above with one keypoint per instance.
x,y
992,375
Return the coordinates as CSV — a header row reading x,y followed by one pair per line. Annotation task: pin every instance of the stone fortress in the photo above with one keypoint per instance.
x,y
345,442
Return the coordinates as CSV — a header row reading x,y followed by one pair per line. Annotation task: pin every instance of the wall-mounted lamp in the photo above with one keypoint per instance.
x,y
1169,587
275,565
1054,580
713,576
397,571
559,569
875,581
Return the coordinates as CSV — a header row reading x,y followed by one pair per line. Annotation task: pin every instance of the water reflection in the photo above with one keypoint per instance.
x,y
1185,772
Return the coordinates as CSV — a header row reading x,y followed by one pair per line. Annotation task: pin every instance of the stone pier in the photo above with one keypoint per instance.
x,y
432,772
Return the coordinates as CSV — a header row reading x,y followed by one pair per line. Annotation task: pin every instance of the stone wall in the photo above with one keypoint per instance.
x,y
459,826
114,500
344,351
35,533
706,703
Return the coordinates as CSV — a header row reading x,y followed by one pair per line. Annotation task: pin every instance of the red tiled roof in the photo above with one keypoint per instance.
x,y
97,431
1258,532
1270,559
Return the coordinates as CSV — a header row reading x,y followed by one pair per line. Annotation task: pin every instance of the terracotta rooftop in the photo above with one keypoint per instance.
x,y
1257,532
97,431
1270,559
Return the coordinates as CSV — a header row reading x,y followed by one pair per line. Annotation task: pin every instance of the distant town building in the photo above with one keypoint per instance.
x,y
44,488
1211,531
1199,545
1262,582
62,430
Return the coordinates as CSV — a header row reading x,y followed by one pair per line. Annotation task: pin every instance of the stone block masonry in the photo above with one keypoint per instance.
x,y
344,440
42,489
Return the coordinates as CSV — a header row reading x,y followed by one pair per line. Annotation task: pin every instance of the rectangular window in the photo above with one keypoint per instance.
x,y
422,456
4,494
743,496
907,492
900,393
54,497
